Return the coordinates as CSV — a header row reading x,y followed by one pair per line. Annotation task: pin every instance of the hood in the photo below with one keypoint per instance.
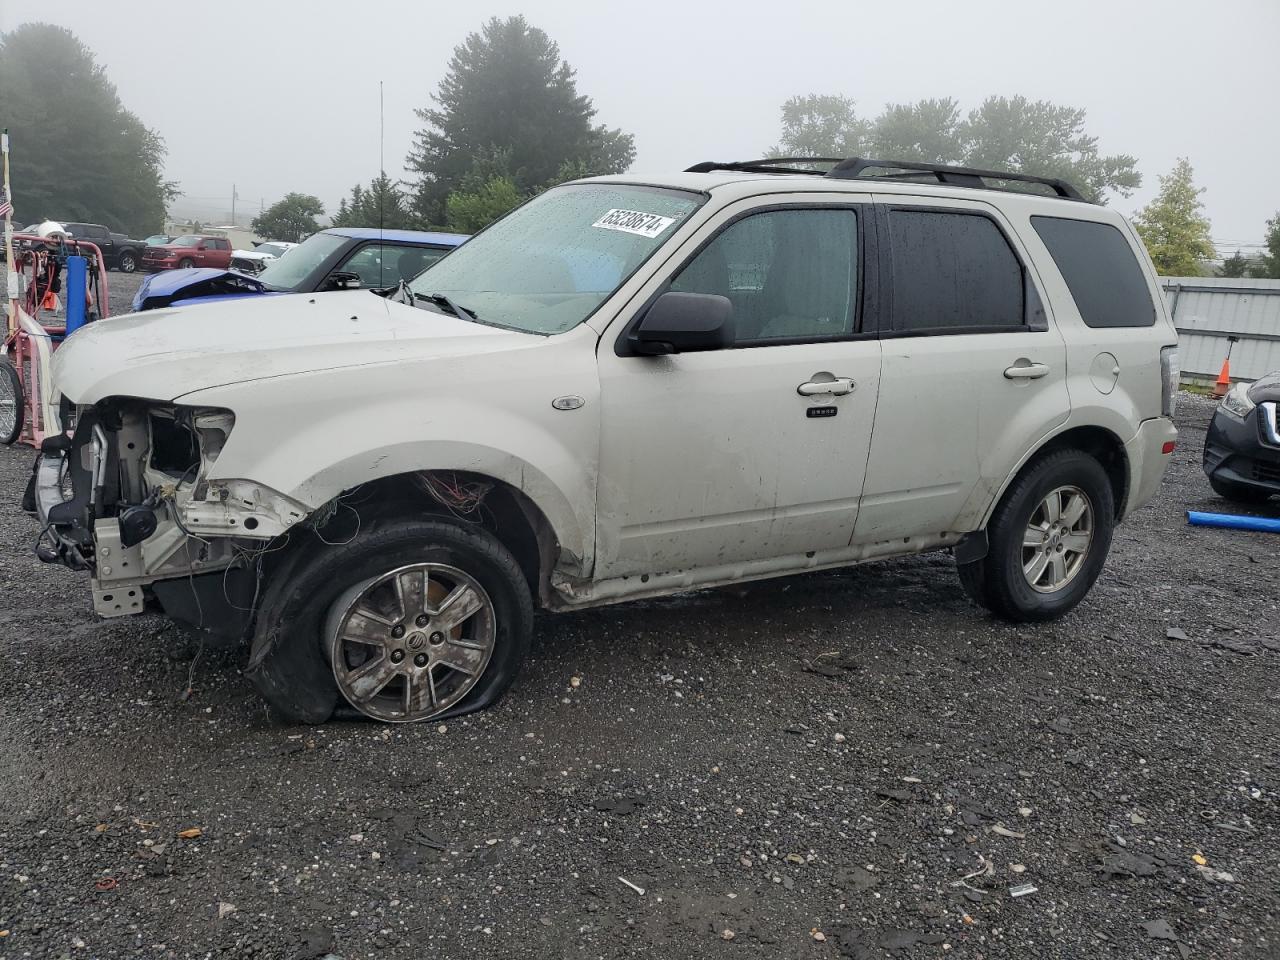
x,y
163,354
162,289
1265,388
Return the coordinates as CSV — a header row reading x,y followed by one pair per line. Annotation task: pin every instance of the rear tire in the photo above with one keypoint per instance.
x,y
12,403
1238,492
1038,565
316,592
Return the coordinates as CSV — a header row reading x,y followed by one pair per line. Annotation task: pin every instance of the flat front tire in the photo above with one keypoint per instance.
x,y
1047,540
411,620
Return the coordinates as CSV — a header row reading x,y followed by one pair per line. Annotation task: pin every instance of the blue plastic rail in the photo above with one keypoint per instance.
x,y
77,280
1232,521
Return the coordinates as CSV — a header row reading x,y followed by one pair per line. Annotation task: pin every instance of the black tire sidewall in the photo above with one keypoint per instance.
x,y
1013,595
10,372
289,662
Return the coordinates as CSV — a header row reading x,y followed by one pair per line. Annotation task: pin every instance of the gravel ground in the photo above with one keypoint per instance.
x,y
854,764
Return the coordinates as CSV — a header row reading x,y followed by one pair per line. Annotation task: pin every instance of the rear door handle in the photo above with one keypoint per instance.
x,y
1022,370
837,387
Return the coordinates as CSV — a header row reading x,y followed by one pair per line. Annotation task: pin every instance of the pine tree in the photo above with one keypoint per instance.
x,y
1173,225
381,204
508,92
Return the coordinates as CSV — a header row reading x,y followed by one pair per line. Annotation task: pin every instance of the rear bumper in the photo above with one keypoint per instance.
x,y
1148,454
1235,451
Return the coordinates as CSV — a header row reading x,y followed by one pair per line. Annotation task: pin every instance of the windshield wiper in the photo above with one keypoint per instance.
x,y
441,300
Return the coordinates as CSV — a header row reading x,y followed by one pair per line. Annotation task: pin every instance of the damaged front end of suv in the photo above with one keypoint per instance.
x,y
124,492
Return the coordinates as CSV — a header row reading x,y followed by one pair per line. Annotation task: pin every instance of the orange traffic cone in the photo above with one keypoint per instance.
x,y
1223,383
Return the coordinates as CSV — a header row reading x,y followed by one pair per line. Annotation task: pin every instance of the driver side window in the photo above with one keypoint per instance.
x,y
791,275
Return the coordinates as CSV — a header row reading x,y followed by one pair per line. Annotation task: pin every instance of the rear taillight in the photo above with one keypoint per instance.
x,y
1168,380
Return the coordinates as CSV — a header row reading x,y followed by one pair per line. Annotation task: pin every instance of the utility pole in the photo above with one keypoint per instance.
x,y
234,197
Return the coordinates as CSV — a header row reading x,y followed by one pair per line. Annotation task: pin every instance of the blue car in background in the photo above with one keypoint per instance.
x,y
340,258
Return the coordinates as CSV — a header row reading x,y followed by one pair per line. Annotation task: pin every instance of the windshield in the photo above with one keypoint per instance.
x,y
156,240
185,241
287,272
546,266
270,249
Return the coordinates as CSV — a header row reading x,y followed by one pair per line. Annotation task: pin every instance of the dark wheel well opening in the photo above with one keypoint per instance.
x,y
1105,447
500,508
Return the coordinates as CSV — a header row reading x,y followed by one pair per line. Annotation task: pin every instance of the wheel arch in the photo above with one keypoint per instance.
x,y
1097,441
506,511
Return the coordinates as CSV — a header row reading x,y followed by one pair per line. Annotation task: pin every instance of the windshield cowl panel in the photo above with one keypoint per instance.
x,y
549,264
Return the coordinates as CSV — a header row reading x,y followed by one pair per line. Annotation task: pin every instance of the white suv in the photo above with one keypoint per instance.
x,y
627,387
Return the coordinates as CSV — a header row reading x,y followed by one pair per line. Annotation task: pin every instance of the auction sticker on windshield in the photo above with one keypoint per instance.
x,y
634,221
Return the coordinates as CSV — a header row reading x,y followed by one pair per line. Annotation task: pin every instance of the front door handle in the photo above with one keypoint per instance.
x,y
837,387
1023,370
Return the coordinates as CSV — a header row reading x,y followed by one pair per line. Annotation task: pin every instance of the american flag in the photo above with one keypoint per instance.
x,y
6,207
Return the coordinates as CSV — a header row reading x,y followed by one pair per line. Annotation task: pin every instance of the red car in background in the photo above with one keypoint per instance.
x,y
189,251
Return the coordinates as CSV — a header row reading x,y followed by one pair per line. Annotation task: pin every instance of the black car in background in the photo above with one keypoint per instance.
x,y
1242,447
118,251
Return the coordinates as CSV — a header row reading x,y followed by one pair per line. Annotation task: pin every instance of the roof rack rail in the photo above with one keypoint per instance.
x,y
853,168
767,165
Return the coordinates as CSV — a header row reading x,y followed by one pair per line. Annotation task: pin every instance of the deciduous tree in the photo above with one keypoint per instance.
x,y
1268,265
292,219
77,153
1003,133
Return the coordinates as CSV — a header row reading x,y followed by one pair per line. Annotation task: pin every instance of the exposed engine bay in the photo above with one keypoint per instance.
x,y
128,496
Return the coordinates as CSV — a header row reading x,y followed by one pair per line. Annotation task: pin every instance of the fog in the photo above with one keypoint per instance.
x,y
284,96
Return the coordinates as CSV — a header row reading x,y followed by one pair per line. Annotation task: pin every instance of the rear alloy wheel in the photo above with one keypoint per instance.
x,y
11,403
1047,539
127,263
1057,539
411,643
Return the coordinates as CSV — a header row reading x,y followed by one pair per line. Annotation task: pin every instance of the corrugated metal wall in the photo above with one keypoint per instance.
x,y
1208,311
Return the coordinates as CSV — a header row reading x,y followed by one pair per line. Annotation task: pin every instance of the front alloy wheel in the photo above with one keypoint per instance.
x,y
411,643
1057,539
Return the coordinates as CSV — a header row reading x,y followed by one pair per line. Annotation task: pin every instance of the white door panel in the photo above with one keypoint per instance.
x,y
976,385
715,458
712,458
951,425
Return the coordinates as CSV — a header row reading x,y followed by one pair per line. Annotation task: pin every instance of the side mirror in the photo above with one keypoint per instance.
x,y
683,323
341,280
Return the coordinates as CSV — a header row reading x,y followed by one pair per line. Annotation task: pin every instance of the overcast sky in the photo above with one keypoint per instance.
x,y
283,96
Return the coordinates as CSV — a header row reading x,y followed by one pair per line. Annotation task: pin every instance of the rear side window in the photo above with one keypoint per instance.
x,y
1101,271
952,273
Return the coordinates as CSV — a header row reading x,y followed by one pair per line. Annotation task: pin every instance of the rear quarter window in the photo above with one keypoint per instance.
x,y
1103,275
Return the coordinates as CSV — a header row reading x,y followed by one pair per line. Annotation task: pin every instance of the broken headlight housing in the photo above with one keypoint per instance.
x,y
1237,402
